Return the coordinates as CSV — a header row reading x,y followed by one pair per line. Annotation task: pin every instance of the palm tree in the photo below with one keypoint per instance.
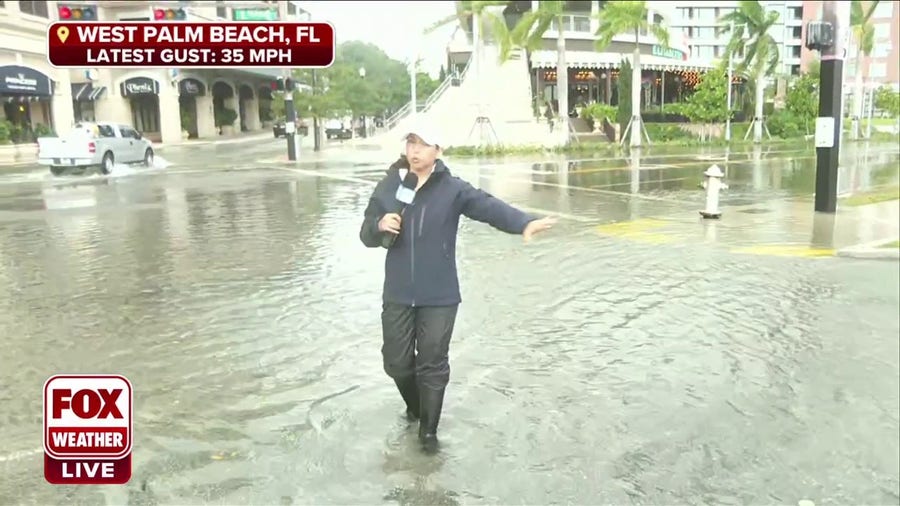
x,y
864,33
751,37
483,21
631,17
529,34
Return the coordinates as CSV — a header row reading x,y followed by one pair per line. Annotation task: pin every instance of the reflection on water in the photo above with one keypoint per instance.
x,y
585,369
757,172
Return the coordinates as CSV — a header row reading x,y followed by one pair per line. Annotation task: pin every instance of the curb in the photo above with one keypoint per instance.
x,y
871,251
189,144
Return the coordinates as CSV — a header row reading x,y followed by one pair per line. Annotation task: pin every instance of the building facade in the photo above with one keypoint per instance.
x,y
33,93
667,72
166,105
882,67
698,22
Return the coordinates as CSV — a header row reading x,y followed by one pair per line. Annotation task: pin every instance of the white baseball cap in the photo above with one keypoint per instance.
x,y
428,133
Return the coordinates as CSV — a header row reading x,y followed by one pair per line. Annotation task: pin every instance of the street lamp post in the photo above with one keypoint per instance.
x,y
362,75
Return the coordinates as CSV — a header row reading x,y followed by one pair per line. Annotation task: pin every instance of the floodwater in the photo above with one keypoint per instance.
x,y
235,295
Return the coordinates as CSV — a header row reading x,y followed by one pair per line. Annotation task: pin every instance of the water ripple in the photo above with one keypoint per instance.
x,y
586,369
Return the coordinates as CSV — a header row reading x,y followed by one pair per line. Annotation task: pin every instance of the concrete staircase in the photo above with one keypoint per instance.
x,y
505,95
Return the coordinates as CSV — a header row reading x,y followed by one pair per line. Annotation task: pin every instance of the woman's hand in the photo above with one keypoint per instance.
x,y
537,226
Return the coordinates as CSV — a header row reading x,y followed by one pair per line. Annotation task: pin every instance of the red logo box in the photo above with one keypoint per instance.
x,y
88,428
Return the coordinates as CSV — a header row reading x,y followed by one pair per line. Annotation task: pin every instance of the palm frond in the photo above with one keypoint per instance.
x,y
772,55
867,39
441,22
661,34
496,26
523,28
536,39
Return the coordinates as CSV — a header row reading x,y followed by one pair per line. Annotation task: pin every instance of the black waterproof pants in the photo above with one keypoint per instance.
x,y
417,343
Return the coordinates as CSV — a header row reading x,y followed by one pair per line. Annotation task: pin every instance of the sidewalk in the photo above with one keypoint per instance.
x,y
231,139
785,227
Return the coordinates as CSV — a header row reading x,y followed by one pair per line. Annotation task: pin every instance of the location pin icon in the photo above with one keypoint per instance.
x,y
63,33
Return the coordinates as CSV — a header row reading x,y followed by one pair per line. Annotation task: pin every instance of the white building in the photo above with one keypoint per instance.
x,y
698,20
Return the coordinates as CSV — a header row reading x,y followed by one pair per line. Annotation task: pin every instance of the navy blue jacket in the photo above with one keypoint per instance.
x,y
420,267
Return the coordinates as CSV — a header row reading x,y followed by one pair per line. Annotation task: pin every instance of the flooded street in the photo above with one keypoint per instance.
x,y
234,293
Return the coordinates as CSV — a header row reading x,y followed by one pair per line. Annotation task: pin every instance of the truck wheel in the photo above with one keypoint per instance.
x,y
57,170
106,165
148,158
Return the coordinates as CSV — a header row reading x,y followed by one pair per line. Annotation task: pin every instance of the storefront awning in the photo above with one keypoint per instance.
x,y
86,92
19,80
81,91
97,92
590,60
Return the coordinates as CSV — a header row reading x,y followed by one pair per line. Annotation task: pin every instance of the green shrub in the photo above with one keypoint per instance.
x,y
5,132
667,132
786,125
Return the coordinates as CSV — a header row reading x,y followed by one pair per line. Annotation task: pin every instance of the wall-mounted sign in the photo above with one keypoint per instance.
x,y
669,53
191,87
139,86
254,14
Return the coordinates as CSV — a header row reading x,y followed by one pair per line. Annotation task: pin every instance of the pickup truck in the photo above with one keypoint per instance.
x,y
100,145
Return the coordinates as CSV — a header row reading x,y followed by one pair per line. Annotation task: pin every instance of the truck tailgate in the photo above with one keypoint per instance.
x,y
74,147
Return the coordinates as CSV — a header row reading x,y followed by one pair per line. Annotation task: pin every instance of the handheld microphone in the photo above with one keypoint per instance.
x,y
405,195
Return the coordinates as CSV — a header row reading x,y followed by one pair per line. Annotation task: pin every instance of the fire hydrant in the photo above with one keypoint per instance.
x,y
713,186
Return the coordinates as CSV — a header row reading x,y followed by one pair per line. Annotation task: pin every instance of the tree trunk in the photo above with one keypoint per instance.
x,y
857,98
760,102
636,128
562,81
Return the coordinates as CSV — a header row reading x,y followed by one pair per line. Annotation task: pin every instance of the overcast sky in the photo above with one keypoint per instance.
x,y
395,27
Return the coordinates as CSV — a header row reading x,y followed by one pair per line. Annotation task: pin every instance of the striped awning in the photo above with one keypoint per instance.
x,y
97,92
591,60
86,92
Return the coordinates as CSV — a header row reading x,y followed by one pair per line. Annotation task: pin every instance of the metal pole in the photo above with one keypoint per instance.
x,y
728,118
828,127
290,123
316,141
290,114
413,101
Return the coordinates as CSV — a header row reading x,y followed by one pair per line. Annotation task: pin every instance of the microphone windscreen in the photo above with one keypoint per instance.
x,y
411,180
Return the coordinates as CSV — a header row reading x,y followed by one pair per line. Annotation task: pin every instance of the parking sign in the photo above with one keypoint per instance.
x,y
87,429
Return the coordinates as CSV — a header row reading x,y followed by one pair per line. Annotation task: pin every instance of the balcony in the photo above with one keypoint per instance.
x,y
573,25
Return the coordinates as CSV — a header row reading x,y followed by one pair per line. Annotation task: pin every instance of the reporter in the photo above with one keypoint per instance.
x,y
421,287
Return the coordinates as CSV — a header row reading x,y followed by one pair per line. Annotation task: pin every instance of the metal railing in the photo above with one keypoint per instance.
x,y
577,23
404,111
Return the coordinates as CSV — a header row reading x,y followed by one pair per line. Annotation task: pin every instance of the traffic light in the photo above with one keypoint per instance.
x,y
282,84
77,12
169,14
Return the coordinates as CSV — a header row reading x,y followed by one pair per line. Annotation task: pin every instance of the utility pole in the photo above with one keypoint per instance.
x,y
831,94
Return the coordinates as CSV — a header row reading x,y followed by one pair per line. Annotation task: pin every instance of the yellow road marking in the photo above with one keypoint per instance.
x,y
641,230
786,250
